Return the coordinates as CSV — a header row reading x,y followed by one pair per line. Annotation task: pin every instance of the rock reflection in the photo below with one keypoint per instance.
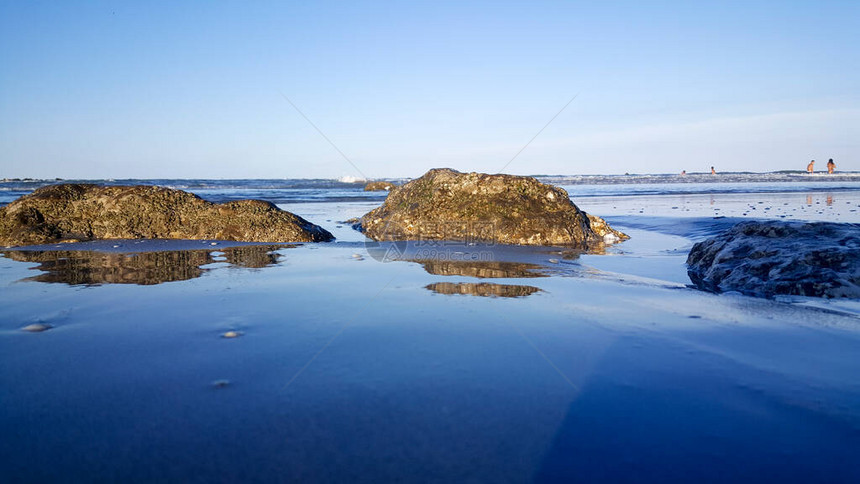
x,y
483,289
81,267
483,269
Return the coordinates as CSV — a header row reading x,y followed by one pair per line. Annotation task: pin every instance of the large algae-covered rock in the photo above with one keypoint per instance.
x,y
448,205
772,258
85,212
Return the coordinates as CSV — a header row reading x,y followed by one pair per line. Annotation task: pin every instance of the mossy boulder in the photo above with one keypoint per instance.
x,y
76,212
445,204
379,186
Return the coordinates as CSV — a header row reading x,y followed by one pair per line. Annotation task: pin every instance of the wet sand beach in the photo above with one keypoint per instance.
x,y
467,363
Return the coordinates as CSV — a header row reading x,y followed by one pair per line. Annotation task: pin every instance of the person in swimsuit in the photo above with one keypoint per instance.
x,y
810,167
831,167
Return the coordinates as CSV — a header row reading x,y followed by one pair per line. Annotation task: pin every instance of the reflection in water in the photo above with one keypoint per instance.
x,y
145,268
482,269
483,289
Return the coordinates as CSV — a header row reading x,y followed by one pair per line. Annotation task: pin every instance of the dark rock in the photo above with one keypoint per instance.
x,y
379,186
448,205
772,258
75,212
220,383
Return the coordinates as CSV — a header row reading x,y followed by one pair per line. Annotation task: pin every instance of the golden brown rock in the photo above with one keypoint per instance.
x,y
448,205
379,186
74,212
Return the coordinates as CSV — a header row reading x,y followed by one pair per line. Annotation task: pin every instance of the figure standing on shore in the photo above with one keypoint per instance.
x,y
810,167
831,167
683,172
713,171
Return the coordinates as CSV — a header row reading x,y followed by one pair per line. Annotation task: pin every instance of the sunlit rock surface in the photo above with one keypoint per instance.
x,y
772,258
379,186
448,205
85,212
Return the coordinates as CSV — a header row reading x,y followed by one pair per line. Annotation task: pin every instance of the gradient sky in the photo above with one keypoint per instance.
x,y
198,89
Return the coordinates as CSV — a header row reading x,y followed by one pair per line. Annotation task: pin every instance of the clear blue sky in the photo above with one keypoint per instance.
x,y
195,89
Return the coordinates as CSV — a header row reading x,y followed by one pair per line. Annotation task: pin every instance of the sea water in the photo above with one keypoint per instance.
x,y
535,364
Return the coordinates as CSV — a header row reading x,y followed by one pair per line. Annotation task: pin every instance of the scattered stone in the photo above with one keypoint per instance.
x,y
221,383
75,212
36,327
772,258
379,186
232,334
448,205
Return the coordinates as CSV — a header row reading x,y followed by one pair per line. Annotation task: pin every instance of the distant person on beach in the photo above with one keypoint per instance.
x,y
831,166
810,167
713,171
683,172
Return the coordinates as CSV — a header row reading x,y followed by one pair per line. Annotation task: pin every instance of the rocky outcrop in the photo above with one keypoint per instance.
x,y
379,186
75,212
448,205
772,258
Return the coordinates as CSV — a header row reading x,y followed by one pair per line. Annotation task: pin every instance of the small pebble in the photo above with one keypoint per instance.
x,y
221,383
231,334
36,327
553,261
356,256
214,243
